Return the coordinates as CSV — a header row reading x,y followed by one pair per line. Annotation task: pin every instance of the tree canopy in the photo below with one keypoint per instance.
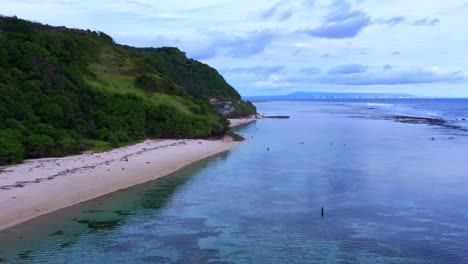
x,y
62,89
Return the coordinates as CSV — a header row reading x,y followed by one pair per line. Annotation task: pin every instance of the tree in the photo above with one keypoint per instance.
x,y
11,148
39,145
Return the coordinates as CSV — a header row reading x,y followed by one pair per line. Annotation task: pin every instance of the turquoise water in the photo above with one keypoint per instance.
x,y
391,195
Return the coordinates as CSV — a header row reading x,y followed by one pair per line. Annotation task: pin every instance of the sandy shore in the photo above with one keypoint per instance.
x,y
243,121
40,186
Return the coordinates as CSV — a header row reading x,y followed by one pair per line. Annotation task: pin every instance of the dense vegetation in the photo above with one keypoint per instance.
x,y
66,90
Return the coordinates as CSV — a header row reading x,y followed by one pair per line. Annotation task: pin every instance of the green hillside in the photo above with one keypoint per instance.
x,y
64,90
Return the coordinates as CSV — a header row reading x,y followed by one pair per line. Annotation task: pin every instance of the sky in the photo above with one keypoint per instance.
x,y
276,47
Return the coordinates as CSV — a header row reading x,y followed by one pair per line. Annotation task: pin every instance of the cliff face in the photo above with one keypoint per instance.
x,y
65,90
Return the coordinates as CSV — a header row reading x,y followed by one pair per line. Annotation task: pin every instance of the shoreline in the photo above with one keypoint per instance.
x,y
235,122
41,186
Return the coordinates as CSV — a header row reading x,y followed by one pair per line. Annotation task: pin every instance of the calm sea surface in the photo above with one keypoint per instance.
x,y
390,193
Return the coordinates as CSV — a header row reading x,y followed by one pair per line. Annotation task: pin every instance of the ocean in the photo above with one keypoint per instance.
x,y
392,181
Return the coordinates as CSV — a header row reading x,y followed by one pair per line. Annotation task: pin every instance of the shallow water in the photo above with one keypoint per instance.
x,y
390,195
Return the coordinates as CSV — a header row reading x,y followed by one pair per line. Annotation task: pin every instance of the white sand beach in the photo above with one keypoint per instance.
x,y
242,121
40,186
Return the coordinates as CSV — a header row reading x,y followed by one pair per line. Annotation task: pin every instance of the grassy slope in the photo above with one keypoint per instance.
x,y
114,73
65,90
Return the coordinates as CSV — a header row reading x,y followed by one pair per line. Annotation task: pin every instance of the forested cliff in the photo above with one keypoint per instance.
x,y
65,90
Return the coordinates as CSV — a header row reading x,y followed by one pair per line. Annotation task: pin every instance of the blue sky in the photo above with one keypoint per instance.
x,y
277,47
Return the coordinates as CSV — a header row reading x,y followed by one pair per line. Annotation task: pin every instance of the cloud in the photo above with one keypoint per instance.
x,y
337,5
394,76
203,54
237,46
209,44
387,67
138,3
309,3
279,10
273,80
257,70
284,9
310,70
393,21
426,22
396,20
270,12
343,29
386,75
248,45
347,69
285,15
341,22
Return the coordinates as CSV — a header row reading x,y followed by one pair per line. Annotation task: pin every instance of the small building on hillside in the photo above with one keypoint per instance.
x,y
222,105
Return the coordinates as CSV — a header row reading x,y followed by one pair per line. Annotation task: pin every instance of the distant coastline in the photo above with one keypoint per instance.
x,y
41,186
